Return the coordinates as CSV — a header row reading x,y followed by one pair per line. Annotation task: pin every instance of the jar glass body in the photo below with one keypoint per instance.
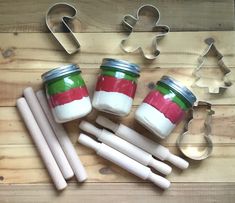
x,y
68,97
115,91
161,110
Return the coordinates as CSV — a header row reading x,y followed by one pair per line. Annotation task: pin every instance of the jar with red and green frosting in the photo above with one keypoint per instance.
x,y
165,106
116,86
66,92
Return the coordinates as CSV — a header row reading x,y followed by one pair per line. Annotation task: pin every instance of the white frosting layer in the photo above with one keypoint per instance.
x,y
154,120
112,102
72,110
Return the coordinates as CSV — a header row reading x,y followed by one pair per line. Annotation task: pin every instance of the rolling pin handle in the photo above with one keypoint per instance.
x,y
105,122
88,127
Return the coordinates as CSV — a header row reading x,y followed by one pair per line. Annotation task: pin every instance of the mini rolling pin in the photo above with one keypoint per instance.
x,y
41,144
139,140
64,140
125,147
48,133
124,161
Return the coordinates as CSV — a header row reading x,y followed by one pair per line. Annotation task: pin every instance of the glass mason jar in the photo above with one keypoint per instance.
x,y
165,106
66,92
116,86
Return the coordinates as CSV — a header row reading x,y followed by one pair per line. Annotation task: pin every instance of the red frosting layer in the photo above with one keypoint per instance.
x,y
170,109
112,84
68,96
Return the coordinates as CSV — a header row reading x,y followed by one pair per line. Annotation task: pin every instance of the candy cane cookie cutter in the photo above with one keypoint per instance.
x,y
129,22
55,20
188,149
211,85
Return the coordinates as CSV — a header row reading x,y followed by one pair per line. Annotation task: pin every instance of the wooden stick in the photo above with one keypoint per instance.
x,y
41,144
48,133
63,139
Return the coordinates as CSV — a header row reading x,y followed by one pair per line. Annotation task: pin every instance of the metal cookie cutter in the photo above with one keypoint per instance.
x,y
212,85
129,23
57,19
190,150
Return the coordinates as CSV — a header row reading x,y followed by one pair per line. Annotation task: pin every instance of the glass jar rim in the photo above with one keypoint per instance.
x,y
179,88
60,71
121,65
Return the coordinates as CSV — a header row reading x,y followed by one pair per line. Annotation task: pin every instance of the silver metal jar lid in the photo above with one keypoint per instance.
x,y
121,64
60,71
178,87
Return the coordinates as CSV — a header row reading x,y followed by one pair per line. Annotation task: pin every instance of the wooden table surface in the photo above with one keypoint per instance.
x,y
28,50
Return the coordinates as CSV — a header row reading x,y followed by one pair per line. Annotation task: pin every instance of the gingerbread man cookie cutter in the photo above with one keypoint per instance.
x,y
67,40
225,82
129,22
188,149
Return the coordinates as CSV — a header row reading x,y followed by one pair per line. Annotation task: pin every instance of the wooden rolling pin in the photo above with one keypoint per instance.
x,y
48,133
124,161
63,139
41,144
125,147
143,142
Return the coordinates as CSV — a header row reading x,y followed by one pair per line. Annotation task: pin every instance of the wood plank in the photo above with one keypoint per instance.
x,y
21,164
106,16
25,56
13,131
36,52
19,161
13,82
118,192
178,50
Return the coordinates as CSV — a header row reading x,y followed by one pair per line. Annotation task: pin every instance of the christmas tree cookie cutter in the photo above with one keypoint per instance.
x,y
58,18
211,85
129,22
188,149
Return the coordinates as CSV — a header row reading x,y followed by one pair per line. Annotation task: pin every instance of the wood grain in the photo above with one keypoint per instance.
x,y
24,56
178,50
23,53
26,167
13,131
131,192
106,16
11,89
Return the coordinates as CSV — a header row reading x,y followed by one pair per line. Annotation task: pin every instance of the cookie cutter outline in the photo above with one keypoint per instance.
x,y
224,69
73,12
129,22
206,130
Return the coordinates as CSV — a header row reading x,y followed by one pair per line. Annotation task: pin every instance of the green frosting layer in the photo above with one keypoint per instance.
x,y
119,74
175,98
64,83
